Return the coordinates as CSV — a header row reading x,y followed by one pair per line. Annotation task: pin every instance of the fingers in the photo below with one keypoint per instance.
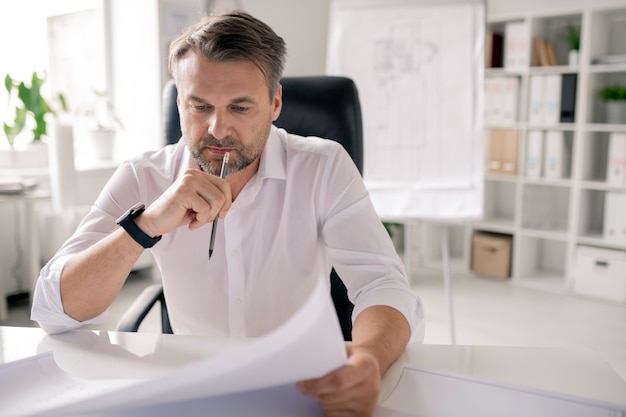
x,y
195,200
349,391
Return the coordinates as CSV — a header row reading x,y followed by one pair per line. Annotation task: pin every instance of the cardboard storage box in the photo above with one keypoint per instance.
x,y
491,254
600,273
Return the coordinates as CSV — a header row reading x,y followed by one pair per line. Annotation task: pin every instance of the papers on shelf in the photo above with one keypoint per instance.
x,y
309,345
16,185
610,59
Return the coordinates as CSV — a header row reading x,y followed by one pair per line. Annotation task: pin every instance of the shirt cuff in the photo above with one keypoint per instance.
x,y
406,303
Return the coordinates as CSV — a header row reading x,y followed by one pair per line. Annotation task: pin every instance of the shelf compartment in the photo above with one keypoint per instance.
x,y
591,216
594,157
500,202
596,108
541,262
545,207
608,32
554,29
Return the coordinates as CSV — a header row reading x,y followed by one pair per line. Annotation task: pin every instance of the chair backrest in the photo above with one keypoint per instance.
x,y
323,106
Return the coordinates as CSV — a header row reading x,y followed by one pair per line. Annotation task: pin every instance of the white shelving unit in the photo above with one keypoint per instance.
x,y
549,218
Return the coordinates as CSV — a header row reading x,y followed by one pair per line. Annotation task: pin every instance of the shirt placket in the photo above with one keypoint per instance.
x,y
236,274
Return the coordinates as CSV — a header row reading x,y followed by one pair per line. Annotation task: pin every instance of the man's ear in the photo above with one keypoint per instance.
x,y
277,103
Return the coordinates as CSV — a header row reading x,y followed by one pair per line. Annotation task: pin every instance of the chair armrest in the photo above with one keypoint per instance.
x,y
139,309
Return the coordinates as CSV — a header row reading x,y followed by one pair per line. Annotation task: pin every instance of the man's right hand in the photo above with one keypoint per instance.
x,y
194,200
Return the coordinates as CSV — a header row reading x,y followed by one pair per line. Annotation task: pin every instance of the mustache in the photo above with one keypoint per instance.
x,y
211,141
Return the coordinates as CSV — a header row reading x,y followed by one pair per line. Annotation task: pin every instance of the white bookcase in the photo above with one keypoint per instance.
x,y
549,218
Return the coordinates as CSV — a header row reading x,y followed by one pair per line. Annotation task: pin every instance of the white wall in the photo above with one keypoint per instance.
x,y
304,26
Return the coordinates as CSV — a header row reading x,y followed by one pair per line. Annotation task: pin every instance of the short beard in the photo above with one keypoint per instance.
x,y
214,166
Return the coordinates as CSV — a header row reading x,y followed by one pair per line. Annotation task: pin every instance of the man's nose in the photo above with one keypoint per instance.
x,y
219,126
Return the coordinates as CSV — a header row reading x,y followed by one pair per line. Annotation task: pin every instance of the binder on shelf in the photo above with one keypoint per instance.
x,y
534,154
510,94
509,151
501,100
614,227
556,157
568,98
496,144
536,100
552,99
494,45
493,100
616,160
516,47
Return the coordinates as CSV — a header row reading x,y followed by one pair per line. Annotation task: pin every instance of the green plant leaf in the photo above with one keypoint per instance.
x,y
615,92
8,84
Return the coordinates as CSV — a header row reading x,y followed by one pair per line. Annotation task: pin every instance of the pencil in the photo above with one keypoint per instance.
x,y
214,228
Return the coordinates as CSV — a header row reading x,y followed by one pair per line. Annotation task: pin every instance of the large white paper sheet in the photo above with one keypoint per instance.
x,y
436,393
309,345
419,71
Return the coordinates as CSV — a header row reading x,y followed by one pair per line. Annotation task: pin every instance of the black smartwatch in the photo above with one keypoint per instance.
x,y
128,224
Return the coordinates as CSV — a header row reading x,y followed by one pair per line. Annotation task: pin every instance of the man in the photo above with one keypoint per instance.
x,y
290,207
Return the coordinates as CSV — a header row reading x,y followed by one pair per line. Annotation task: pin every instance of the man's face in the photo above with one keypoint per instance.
x,y
224,107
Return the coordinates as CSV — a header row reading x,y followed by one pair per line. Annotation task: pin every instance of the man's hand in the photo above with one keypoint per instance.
x,y
194,200
349,391
379,336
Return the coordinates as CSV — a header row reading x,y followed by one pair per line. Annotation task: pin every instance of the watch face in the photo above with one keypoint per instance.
x,y
137,207
134,210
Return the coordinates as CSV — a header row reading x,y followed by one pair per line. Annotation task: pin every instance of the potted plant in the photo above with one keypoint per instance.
x,y
572,36
30,110
615,98
98,125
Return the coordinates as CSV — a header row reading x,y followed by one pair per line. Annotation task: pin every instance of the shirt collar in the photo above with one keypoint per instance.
x,y
273,158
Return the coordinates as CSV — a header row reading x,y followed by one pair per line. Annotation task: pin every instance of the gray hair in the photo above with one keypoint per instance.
x,y
233,36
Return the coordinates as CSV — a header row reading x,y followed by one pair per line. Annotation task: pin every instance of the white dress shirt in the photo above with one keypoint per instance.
x,y
304,210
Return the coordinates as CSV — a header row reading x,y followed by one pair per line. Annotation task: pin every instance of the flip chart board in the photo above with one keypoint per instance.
x,y
418,67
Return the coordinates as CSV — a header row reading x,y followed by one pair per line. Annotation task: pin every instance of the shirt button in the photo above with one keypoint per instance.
x,y
237,301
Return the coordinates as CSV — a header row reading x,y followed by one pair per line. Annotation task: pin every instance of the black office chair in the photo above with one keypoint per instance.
x,y
322,106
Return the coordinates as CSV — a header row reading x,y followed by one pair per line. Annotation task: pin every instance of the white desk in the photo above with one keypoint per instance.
x,y
438,380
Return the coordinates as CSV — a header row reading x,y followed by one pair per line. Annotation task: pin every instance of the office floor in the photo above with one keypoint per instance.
x,y
487,312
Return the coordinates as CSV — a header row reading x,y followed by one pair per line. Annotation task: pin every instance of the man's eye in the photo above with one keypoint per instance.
x,y
240,109
200,108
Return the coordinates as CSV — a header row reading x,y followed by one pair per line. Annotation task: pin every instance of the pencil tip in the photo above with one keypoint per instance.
x,y
210,253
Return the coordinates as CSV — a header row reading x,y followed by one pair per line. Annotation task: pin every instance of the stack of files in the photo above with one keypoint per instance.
x,y
614,218
545,100
516,46
534,154
557,156
501,100
616,160
503,145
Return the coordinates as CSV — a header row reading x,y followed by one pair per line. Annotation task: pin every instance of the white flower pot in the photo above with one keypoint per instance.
x,y
33,155
96,144
572,58
616,111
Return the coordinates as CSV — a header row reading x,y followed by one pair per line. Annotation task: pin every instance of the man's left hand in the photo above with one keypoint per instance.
x,y
351,390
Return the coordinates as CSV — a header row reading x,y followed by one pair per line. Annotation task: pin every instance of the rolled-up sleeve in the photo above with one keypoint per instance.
x,y
361,250
47,308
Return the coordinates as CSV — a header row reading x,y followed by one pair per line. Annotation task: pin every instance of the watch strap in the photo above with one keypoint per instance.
x,y
127,222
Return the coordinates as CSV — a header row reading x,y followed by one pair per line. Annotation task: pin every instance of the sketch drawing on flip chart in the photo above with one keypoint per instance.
x,y
413,68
